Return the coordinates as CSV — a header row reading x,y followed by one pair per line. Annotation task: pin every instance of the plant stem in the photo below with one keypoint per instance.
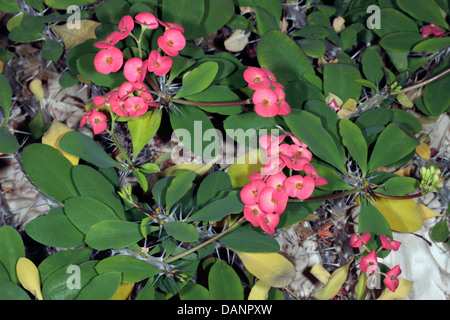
x,y
210,240
122,152
211,104
410,196
327,197
424,83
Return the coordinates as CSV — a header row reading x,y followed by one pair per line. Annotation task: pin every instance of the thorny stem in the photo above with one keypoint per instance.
x,y
424,83
113,136
210,240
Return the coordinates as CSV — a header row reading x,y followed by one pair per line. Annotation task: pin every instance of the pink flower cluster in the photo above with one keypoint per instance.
x,y
133,98
269,97
369,262
432,29
266,196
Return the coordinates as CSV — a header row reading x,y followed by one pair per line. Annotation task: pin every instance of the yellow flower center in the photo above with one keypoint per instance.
x,y
299,186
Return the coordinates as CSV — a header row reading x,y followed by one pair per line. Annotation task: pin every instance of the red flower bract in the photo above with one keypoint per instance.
x,y
391,281
265,101
126,24
159,65
147,20
108,60
172,41
135,69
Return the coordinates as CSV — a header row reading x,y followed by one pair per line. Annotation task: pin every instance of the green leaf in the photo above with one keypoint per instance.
x,y
63,4
398,186
440,231
372,65
84,212
86,148
11,291
308,128
29,30
224,283
218,209
111,11
179,65
55,230
11,249
431,45
68,79
101,287
132,270
8,142
113,234
436,96
5,97
198,79
334,180
89,182
339,80
143,129
187,13
218,93
9,6
210,187
179,186
265,21
392,145
49,170
216,14
52,50
181,231
280,54
405,120
196,132
250,241
355,143
400,41
194,291
312,47
424,10
56,287
398,21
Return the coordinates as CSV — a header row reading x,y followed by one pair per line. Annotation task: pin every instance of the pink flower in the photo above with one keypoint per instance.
x,y
369,263
250,192
276,150
118,107
135,106
296,141
171,42
126,89
256,176
268,222
159,65
257,78
388,243
97,120
294,163
357,240
126,25
108,60
147,20
134,70
333,105
265,101
318,180
276,181
273,166
84,118
299,187
271,77
140,86
432,29
109,41
391,281
299,152
252,213
273,201
283,106
148,99
171,25
99,100
266,140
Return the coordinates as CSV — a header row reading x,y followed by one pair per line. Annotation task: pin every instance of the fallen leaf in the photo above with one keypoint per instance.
x,y
28,275
124,292
237,41
320,273
403,289
423,150
53,136
74,36
427,213
405,172
334,284
404,100
338,24
35,87
260,291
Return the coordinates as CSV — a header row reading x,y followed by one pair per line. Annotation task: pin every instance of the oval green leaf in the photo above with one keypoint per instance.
x,y
132,270
355,143
224,283
113,234
11,249
101,287
181,231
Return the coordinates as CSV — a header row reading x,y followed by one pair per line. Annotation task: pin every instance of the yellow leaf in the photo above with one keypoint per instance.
x,y
260,291
36,89
200,169
334,284
74,36
244,166
1,66
402,215
28,275
53,136
404,287
320,273
423,151
237,41
427,213
271,268
361,286
124,292
405,172
331,96
339,24
405,101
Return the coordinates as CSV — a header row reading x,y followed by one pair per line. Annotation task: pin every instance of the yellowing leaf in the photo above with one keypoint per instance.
x,y
36,89
320,273
405,101
334,284
53,136
74,36
199,169
124,292
405,172
28,275
404,287
339,24
427,213
423,151
361,286
402,215
260,291
244,166
271,268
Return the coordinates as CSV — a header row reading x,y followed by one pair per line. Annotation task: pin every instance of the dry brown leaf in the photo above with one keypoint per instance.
x,y
73,37
237,41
